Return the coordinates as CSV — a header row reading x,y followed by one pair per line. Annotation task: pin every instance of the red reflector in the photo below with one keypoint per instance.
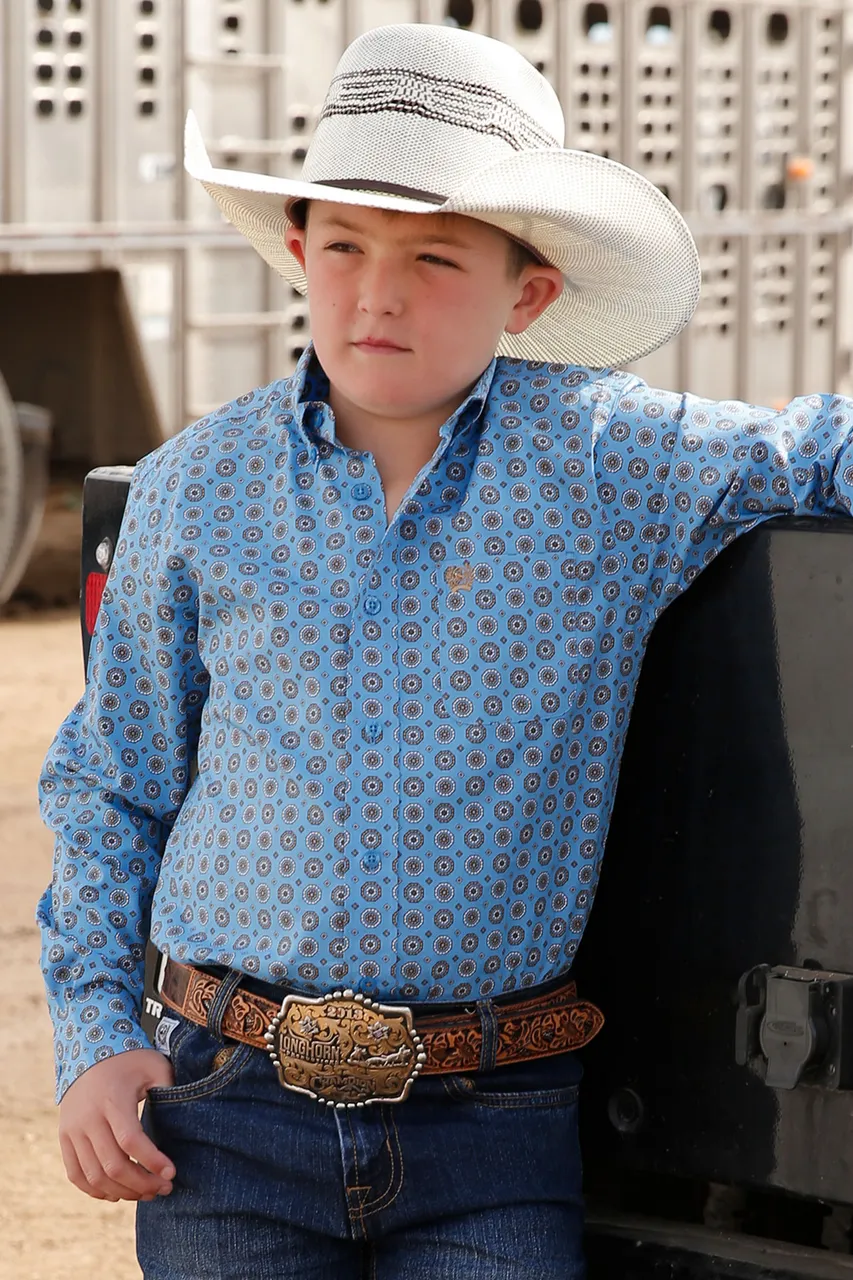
x,y
95,584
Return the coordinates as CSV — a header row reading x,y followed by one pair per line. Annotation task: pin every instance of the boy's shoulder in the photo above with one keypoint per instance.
x,y
256,415
538,390
513,377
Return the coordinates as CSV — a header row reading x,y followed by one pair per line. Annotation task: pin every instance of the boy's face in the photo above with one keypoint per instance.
x,y
407,309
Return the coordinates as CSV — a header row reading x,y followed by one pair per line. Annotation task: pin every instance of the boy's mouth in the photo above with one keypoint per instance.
x,y
379,346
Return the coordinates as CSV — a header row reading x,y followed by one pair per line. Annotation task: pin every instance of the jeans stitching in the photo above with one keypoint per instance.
x,y
205,1088
390,1194
371,1207
368,1205
356,1211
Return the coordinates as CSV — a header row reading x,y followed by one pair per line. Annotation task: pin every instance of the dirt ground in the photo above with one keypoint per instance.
x,y
48,1229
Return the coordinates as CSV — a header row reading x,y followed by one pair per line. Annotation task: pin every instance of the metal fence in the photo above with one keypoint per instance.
x,y
736,110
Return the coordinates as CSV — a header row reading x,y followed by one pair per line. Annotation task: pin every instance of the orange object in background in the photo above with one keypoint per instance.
x,y
799,168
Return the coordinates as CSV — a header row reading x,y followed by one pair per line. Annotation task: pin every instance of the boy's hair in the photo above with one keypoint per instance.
x,y
518,254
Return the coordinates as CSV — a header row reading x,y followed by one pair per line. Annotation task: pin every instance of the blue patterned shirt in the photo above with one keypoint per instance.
x,y
407,735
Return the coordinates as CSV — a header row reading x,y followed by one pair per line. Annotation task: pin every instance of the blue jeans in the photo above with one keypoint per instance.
x,y
473,1177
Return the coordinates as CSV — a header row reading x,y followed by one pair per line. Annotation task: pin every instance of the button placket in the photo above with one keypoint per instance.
x,y
371,802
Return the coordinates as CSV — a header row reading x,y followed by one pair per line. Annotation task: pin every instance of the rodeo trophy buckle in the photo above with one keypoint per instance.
x,y
344,1050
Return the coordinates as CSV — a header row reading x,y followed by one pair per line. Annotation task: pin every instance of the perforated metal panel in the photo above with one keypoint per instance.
x,y
757,153
470,15
318,27
591,87
657,146
142,178
735,110
827,64
58,124
713,181
532,26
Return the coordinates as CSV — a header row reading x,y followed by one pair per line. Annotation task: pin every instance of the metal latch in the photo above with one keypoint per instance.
x,y
795,1026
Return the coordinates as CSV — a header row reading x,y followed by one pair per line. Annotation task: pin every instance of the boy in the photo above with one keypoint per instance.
x,y
395,605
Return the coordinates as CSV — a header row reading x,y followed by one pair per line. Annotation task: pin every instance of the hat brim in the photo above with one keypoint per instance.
x,y
629,263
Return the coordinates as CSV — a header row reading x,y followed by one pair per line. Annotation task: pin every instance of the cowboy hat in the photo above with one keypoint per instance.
x,y
432,119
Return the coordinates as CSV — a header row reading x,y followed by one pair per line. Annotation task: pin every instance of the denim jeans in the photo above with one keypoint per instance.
x,y
473,1177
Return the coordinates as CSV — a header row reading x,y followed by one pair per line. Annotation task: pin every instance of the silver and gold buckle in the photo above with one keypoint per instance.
x,y
344,1050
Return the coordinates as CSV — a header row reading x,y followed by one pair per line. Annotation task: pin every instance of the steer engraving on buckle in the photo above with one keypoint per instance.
x,y
344,1050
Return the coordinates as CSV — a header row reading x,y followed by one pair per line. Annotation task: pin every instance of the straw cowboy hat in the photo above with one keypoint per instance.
x,y
428,119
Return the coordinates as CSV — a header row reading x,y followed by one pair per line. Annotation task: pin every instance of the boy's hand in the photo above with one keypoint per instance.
x,y
106,1152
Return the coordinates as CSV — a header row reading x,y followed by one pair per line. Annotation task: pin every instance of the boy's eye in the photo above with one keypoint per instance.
x,y
442,262
346,246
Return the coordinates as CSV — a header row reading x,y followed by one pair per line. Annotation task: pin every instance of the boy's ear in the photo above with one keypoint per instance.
x,y
294,239
540,286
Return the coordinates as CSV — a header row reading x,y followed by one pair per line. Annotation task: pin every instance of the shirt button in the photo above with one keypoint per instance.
x,y
373,731
361,491
371,862
373,605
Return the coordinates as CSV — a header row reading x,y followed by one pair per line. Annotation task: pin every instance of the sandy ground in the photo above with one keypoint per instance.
x,y
48,1230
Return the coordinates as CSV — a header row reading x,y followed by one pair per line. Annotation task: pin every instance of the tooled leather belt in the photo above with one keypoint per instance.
x,y
347,1050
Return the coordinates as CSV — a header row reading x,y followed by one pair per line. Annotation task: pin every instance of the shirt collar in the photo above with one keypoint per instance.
x,y
315,419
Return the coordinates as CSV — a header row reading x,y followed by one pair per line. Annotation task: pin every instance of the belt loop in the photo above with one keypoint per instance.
x,y
221,1001
489,1028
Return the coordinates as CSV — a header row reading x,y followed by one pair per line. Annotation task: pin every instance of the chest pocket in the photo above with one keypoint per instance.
x,y
504,631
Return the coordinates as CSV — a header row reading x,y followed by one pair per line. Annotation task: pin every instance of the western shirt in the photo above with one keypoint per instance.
x,y
333,750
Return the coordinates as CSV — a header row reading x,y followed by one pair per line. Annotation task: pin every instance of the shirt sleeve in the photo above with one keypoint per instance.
x,y
679,477
114,780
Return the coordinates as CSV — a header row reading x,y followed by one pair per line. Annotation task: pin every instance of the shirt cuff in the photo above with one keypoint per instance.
x,y
90,1028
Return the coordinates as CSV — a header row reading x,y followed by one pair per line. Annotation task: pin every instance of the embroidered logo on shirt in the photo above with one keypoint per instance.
x,y
459,577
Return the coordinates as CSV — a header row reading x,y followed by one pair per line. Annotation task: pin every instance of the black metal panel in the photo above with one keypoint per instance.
x,y
731,845
105,491
643,1249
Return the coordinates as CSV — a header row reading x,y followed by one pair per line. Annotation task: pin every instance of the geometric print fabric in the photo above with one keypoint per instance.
x,y
334,752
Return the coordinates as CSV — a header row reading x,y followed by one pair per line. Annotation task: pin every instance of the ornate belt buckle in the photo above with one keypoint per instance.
x,y
344,1050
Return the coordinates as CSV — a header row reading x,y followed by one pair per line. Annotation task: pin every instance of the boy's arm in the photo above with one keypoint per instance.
x,y
680,477
113,781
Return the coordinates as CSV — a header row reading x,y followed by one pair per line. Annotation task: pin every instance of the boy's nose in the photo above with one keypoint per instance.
x,y
381,292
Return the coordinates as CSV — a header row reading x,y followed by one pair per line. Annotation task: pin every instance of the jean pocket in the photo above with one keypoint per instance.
x,y
545,1082
202,1064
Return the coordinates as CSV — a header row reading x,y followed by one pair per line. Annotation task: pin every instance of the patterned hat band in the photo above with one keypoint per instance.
x,y
444,100
425,119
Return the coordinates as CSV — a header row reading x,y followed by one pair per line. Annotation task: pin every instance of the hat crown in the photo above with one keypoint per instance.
x,y
416,108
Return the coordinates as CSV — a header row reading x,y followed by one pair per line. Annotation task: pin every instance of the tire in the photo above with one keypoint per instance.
x,y
11,488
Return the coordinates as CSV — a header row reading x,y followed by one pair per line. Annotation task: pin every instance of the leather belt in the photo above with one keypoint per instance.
x,y
347,1050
